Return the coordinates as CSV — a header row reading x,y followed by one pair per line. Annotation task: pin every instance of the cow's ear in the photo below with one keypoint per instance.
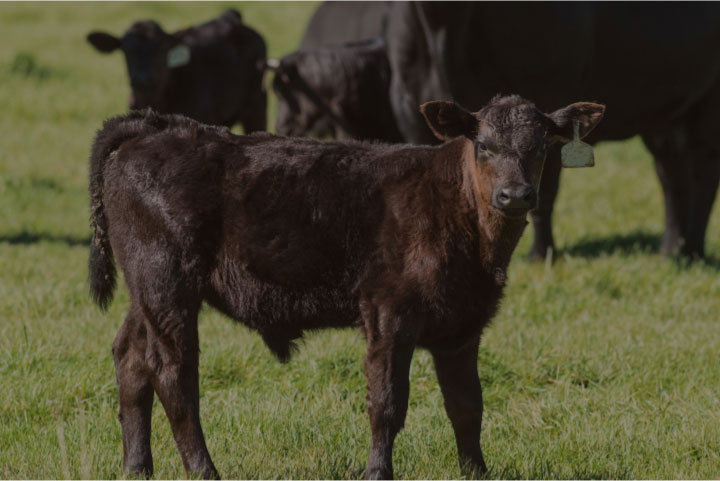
x,y
104,42
448,120
587,114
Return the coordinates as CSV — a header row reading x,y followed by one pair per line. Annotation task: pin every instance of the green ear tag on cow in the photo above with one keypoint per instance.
x,y
178,56
577,153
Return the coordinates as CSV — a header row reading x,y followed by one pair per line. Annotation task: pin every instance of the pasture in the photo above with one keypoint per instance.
x,y
605,364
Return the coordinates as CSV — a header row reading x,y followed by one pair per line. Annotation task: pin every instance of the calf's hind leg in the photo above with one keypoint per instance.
x,y
136,394
390,345
460,385
173,355
165,294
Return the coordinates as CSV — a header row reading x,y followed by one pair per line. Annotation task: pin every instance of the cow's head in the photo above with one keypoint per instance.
x,y
149,54
301,111
510,137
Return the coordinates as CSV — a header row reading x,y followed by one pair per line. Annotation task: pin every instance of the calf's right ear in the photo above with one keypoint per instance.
x,y
448,120
103,42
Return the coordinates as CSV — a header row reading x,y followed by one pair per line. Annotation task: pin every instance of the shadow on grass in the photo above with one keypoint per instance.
x,y
638,242
623,244
27,238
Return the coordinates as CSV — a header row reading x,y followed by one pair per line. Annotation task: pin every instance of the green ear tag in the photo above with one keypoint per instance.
x,y
178,56
577,153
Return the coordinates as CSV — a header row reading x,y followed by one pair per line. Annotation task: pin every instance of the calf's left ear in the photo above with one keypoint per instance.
x,y
448,120
588,115
103,42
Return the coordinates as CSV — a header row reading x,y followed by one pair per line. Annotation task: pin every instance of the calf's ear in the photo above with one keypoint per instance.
x,y
587,114
104,42
448,120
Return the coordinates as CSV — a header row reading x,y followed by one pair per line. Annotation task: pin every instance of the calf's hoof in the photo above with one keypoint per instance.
x,y
379,473
207,473
140,470
474,470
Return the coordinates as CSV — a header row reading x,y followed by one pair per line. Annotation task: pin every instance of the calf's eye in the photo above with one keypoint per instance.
x,y
481,147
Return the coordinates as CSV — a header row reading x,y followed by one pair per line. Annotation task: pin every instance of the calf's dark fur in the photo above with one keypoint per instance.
x,y
409,243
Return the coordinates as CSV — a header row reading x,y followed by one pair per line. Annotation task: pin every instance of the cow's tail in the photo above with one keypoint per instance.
x,y
101,266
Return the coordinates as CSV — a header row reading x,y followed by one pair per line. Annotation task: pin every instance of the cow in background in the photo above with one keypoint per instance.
x,y
210,72
652,64
334,23
339,92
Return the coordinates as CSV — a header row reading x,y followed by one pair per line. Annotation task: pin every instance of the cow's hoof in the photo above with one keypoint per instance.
x,y
540,254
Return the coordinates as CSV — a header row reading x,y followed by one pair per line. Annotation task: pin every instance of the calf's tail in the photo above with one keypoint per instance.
x,y
101,266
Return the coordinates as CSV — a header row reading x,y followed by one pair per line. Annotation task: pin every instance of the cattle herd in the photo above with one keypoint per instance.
x,y
404,225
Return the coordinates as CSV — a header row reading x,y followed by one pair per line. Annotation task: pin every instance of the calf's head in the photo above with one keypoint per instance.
x,y
301,111
149,54
510,138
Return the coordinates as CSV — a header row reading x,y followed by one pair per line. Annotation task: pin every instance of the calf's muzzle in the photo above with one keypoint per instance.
x,y
514,199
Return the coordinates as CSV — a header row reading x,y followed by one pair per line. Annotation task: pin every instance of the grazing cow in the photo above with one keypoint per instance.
x,y
409,243
210,72
339,92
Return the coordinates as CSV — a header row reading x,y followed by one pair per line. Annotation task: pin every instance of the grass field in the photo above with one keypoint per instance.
x,y
603,365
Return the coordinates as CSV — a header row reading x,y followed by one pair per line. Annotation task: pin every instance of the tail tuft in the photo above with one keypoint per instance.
x,y
102,275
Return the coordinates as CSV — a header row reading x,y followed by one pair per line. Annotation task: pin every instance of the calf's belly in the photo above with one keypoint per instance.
x,y
269,307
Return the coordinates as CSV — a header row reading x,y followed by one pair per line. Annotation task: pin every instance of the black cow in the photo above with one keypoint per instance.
x,y
409,243
654,65
340,92
335,23
211,72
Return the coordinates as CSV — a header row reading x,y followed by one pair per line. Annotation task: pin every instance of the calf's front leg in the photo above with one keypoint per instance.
x,y
458,377
390,345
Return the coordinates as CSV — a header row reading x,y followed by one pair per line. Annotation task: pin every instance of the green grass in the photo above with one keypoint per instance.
x,y
605,365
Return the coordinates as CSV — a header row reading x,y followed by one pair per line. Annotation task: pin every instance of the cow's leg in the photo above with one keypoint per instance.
x,y
542,216
136,394
703,146
673,170
390,345
458,378
255,119
173,354
705,177
687,161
